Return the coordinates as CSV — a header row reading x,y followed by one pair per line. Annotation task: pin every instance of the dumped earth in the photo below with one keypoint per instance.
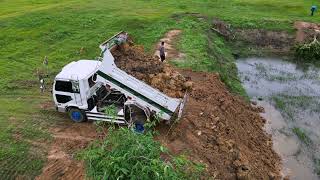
x,y
306,31
148,68
222,131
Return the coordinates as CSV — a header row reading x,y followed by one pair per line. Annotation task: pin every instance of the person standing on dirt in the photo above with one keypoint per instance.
x,y
162,53
313,9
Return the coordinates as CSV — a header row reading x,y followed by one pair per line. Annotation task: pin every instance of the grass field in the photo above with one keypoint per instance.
x,y
32,29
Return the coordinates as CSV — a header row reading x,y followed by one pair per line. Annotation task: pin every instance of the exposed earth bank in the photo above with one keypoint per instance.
x,y
222,131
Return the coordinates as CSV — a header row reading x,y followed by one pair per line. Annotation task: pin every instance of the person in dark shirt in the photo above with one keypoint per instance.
x,y
313,9
162,53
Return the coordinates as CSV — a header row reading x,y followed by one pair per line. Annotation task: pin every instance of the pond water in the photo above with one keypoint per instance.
x,y
290,95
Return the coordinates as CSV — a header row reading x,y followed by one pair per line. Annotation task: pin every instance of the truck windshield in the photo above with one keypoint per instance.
x,y
67,86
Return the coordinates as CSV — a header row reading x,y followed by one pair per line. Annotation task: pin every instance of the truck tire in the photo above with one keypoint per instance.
x,y
76,115
139,127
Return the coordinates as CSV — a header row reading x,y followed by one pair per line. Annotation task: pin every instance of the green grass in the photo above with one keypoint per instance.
x,y
20,127
282,105
302,135
32,29
125,154
291,106
207,52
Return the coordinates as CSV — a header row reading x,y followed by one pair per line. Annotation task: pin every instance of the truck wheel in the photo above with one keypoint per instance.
x,y
76,115
139,127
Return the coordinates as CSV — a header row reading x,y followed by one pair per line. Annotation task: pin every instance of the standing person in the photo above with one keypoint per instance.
x,y
42,84
313,9
162,53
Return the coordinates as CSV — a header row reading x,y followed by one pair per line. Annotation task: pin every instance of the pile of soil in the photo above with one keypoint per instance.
x,y
134,61
306,31
222,131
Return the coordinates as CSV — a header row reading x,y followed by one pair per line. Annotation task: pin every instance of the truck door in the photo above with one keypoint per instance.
x,y
64,93
76,92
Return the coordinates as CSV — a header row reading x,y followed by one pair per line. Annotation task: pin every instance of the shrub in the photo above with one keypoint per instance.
x,y
308,52
125,154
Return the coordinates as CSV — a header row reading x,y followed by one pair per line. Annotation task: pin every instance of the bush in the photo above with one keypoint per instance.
x,y
125,154
308,52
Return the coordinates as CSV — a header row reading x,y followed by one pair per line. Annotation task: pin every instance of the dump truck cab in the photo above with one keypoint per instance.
x,y
73,84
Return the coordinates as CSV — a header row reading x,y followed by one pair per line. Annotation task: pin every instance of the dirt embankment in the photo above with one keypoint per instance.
x,y
259,41
306,31
266,41
222,131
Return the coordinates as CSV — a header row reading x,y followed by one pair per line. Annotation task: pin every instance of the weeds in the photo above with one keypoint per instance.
x,y
302,135
129,155
308,52
282,105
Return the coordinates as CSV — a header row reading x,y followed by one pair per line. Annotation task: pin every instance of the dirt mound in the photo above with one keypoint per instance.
x,y
68,139
306,31
134,61
222,131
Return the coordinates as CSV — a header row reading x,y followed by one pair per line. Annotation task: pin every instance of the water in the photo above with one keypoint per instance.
x,y
290,95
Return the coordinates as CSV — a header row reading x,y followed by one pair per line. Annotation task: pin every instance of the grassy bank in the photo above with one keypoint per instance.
x,y
31,30
138,157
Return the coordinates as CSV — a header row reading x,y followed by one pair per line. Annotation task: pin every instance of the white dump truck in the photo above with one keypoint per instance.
x,y
86,88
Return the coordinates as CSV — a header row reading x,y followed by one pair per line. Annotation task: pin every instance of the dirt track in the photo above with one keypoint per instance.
x,y
69,138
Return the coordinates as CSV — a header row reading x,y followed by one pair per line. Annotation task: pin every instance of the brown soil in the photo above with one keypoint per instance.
x,y
134,61
222,131
271,42
278,41
68,137
306,31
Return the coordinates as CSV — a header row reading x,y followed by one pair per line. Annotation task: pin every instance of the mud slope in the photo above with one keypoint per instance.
x,y
222,131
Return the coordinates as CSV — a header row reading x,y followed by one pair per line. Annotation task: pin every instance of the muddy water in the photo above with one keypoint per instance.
x,y
290,95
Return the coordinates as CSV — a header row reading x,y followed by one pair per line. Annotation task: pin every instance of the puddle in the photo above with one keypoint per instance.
x,y
290,96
